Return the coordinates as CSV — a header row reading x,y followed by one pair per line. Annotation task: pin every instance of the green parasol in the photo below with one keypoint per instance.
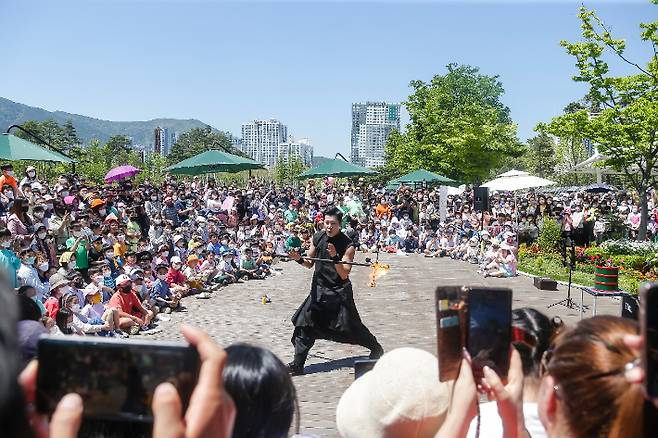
x,y
213,161
422,175
337,168
14,148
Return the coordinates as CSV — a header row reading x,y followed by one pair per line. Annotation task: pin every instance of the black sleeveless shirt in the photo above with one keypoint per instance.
x,y
325,273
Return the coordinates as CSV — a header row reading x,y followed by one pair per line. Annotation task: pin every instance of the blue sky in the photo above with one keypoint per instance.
x,y
301,62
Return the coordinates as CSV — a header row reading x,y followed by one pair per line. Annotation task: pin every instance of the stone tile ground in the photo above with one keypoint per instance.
x,y
399,311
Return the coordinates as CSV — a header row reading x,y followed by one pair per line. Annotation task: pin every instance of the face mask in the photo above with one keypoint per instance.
x,y
107,274
69,326
64,193
157,221
38,214
65,290
75,308
72,265
43,267
5,244
165,254
121,238
11,173
9,195
126,289
154,198
162,276
29,261
31,174
77,233
224,242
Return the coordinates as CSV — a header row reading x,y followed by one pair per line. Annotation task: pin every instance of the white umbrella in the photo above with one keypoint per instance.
x,y
516,180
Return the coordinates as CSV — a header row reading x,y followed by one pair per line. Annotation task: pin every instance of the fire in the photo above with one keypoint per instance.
x,y
378,269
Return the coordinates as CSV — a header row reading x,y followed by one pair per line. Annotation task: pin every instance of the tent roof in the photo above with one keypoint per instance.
x,y
213,161
516,180
14,148
336,168
421,175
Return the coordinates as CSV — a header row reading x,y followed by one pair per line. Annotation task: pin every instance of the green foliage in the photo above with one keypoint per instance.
x,y
550,236
540,157
623,114
594,251
285,171
459,127
635,262
198,140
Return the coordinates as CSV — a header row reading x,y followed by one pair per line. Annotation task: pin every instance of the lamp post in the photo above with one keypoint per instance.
x,y
32,134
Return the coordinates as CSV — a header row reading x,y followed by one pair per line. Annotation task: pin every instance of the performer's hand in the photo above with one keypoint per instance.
x,y
331,249
294,254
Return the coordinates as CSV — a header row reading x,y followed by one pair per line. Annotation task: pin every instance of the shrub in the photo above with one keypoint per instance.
x,y
629,247
627,262
550,236
594,252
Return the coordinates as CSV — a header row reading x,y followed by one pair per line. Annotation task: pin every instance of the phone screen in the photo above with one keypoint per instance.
x,y
649,306
116,380
489,329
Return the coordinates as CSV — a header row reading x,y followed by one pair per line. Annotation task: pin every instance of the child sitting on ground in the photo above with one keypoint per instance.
x,y
161,295
96,313
504,265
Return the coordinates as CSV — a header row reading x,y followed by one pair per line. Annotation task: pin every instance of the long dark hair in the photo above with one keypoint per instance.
x,y
533,334
17,209
62,319
263,392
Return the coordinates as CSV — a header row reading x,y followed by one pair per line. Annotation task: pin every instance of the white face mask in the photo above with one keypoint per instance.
x,y
43,267
109,255
72,265
41,235
121,238
77,233
107,274
69,326
38,214
5,244
30,261
9,195
65,290
75,308
165,254
31,174
11,173
162,276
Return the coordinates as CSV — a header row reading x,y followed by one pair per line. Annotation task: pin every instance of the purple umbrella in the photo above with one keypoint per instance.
x,y
121,172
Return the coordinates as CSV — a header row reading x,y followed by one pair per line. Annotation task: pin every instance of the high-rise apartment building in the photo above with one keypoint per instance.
x,y
301,148
261,139
372,123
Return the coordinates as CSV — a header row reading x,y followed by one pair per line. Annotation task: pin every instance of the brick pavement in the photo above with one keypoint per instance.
x,y
398,311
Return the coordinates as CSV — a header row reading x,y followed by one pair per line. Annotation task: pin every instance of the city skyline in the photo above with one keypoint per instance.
x,y
309,82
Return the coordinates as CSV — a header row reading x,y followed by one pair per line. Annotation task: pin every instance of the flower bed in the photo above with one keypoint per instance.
x,y
637,262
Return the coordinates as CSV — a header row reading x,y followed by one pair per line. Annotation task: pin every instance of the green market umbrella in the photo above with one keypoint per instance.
x,y
422,175
337,168
213,161
14,148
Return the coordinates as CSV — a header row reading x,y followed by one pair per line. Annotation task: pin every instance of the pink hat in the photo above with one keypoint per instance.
x,y
68,200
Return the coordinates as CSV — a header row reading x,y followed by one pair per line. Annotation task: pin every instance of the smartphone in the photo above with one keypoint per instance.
x,y
451,309
116,379
649,332
362,366
489,330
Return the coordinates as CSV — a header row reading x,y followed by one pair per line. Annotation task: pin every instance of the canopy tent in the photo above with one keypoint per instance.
x,y
338,168
516,180
420,176
14,148
589,166
213,161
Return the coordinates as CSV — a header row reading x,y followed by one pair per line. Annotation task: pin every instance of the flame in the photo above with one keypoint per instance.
x,y
378,269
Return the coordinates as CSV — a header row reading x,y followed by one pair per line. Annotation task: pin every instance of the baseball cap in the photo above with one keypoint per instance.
x,y
123,278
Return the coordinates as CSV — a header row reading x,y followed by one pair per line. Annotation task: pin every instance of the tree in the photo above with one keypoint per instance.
x,y
624,125
119,148
286,170
198,140
458,128
70,135
540,157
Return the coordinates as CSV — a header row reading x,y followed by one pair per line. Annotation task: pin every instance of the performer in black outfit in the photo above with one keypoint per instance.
x,y
329,311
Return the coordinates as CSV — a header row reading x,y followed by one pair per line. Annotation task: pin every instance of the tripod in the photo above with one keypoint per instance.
x,y
568,244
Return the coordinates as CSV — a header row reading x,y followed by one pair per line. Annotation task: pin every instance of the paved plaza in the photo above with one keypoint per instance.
x,y
399,311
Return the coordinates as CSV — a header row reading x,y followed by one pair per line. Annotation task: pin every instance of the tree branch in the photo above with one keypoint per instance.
x,y
616,50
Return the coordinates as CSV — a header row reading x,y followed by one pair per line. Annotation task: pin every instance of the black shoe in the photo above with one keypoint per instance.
x,y
376,352
295,370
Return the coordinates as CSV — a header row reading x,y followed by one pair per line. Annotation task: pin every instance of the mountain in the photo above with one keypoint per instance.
x,y
14,113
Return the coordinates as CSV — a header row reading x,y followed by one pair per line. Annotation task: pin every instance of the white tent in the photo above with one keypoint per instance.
x,y
589,166
516,180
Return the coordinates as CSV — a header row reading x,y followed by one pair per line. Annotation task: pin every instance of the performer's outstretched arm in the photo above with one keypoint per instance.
x,y
296,256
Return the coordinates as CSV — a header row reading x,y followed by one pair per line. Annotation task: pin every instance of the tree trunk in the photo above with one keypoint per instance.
x,y
644,213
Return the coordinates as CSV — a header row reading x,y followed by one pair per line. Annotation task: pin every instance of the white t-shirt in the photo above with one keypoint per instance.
x,y
492,427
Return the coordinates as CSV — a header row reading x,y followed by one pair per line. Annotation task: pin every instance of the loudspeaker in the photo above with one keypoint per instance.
x,y
481,199
545,283
629,307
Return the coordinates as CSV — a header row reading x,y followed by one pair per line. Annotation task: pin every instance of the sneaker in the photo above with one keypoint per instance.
x,y
121,334
167,310
295,370
134,330
162,318
376,353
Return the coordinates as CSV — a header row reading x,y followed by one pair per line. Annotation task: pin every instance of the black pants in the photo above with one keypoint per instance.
x,y
303,338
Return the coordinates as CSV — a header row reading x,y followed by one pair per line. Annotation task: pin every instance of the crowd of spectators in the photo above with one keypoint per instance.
x,y
113,260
